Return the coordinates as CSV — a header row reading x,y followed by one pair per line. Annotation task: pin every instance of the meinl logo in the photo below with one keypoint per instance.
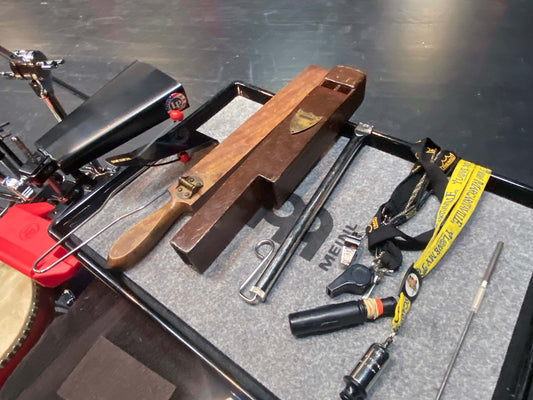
x,y
313,239
29,231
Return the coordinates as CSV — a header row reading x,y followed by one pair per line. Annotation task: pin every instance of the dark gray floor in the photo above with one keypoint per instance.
x,y
457,71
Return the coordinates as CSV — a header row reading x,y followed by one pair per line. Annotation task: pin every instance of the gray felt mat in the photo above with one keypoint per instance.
x,y
258,337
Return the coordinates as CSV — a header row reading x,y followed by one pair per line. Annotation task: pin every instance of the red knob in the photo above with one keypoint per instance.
x,y
184,157
176,115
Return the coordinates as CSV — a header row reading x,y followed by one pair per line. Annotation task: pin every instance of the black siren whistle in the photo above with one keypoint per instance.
x,y
332,317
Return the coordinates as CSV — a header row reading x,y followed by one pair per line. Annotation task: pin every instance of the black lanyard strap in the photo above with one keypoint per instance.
x,y
428,176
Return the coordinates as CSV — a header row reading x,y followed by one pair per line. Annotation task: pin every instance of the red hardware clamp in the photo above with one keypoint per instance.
x,y
24,238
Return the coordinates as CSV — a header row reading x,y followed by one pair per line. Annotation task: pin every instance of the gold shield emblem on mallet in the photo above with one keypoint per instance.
x,y
303,120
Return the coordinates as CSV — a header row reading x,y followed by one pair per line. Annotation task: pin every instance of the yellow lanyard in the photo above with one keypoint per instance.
x,y
462,194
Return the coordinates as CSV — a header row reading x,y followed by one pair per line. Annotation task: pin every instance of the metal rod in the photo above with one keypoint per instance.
x,y
23,148
9,153
473,310
70,88
54,106
8,196
274,268
5,53
4,160
244,290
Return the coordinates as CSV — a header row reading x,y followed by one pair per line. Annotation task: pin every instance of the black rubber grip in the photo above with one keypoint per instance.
x,y
328,318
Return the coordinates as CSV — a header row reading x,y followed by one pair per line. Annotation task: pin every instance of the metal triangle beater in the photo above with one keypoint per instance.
x,y
75,249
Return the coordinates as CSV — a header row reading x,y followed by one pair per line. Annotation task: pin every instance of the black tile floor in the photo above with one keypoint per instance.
x,y
459,72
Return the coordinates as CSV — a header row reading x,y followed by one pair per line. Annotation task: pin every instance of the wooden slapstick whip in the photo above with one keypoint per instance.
x,y
274,168
192,190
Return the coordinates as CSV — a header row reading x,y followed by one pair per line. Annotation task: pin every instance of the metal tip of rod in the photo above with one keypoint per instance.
x,y
477,300
493,261
5,53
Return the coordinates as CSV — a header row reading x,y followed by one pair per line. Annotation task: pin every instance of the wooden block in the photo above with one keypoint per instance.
x,y
212,169
274,168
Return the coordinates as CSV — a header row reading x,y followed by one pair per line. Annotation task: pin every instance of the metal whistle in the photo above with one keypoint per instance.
x,y
350,250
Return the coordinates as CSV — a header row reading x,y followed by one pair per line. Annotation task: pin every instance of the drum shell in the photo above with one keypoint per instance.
x,y
37,313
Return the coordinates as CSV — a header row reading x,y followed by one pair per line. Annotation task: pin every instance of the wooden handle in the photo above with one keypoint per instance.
x,y
133,245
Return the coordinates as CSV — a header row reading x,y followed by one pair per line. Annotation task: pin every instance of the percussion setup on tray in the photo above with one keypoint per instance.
x,y
281,243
